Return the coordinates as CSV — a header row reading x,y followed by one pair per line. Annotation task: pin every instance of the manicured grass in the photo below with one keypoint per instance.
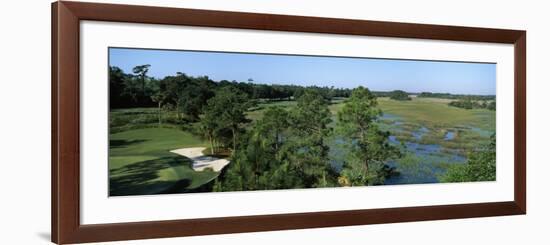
x,y
258,112
137,118
140,162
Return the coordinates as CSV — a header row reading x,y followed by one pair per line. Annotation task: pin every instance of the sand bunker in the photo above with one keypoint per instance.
x,y
200,161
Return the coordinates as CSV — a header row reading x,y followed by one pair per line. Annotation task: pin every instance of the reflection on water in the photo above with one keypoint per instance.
x,y
425,166
422,162
337,153
389,116
418,134
428,158
449,135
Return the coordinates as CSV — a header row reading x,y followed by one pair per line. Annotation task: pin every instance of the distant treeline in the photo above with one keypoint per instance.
x,y
456,96
472,104
399,95
187,94
283,149
136,89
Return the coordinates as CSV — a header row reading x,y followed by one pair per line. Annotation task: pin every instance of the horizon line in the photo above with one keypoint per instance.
x,y
279,84
381,74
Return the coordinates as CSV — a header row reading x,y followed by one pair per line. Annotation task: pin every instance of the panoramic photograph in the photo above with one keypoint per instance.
x,y
204,121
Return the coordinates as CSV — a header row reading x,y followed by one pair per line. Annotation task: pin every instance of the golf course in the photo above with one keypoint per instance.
x,y
140,162
308,122
433,136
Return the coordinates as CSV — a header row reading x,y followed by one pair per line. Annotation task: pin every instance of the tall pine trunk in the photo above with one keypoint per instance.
x,y
160,114
234,131
211,144
366,166
178,109
363,141
143,85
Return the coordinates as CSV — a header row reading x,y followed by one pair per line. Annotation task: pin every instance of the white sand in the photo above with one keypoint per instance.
x,y
200,161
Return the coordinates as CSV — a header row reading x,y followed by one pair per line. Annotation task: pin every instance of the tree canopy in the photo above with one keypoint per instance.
x,y
468,103
369,146
285,147
399,95
481,166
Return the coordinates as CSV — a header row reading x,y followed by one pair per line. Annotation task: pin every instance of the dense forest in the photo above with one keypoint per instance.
x,y
283,149
399,95
136,89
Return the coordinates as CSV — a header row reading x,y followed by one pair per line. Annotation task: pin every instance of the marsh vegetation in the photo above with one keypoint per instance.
x,y
290,136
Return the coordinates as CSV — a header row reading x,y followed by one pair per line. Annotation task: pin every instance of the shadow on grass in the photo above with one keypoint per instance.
x,y
123,143
177,187
141,178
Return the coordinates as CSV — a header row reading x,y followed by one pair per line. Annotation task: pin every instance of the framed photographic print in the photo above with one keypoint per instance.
x,y
177,122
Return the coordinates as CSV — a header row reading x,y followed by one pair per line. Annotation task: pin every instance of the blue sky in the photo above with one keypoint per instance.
x,y
376,74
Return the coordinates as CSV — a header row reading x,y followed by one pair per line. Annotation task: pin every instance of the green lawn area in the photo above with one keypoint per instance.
x,y
258,112
140,162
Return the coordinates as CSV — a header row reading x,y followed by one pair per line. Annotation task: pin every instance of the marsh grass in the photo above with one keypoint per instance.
x,y
140,161
425,122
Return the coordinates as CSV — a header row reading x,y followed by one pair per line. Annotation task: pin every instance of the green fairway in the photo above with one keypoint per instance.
x,y
257,112
277,121
140,162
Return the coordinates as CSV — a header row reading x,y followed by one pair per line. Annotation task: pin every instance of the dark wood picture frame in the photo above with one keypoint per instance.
x,y
65,175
